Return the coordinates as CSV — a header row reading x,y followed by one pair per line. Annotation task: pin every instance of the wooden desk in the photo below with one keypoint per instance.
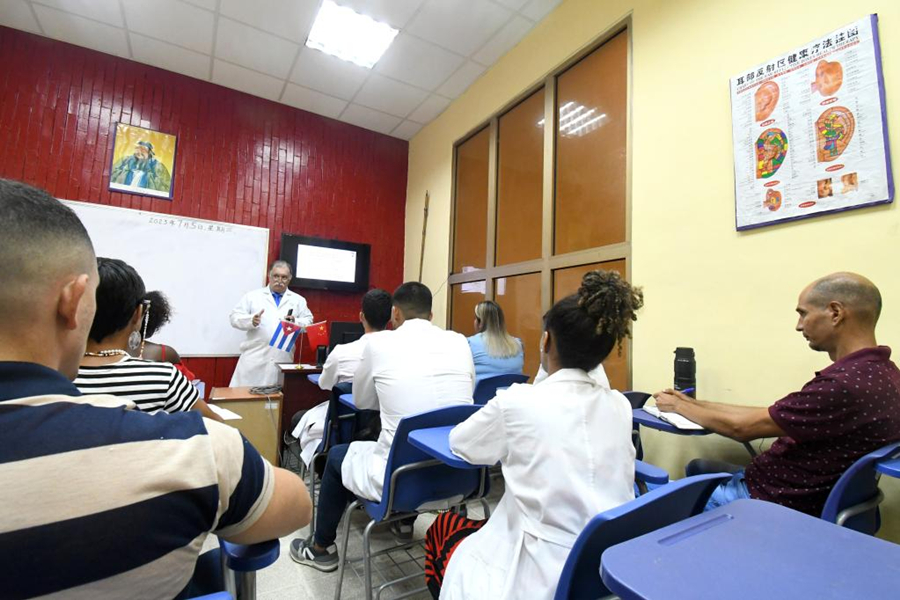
x,y
261,418
299,392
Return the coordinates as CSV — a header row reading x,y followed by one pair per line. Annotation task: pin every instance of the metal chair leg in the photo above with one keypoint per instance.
x,y
367,559
486,507
312,495
342,550
228,576
248,586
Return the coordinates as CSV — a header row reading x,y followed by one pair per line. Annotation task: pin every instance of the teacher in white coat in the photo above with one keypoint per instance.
x,y
258,313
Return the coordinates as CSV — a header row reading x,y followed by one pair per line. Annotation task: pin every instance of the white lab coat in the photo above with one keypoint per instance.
x,y
341,364
417,367
257,364
598,374
339,367
565,449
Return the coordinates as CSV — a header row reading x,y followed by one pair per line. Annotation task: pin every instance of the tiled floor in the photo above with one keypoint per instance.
x,y
288,580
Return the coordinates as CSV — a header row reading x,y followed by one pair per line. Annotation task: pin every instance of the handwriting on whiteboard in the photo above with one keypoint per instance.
x,y
179,223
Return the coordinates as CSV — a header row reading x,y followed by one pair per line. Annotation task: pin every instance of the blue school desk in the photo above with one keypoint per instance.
x,y
435,442
347,400
752,549
642,417
890,467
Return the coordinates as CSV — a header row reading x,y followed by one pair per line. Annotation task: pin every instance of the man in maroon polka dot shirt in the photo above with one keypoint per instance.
x,y
847,410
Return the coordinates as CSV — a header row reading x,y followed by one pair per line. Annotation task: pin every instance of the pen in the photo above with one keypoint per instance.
x,y
687,391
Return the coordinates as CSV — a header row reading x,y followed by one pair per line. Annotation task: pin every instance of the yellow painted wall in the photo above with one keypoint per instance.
x,y
729,295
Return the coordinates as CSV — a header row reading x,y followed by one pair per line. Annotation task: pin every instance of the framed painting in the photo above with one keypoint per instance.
x,y
143,162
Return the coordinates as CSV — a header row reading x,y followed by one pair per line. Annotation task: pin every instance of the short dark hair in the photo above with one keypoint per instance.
x,y
587,325
37,232
159,312
376,308
413,299
120,292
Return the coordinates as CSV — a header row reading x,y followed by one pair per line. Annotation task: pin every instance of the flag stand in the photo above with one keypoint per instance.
x,y
300,346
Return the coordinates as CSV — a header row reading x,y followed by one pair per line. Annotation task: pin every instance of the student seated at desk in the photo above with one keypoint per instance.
x,y
339,368
415,368
494,351
565,449
101,500
159,316
850,408
107,368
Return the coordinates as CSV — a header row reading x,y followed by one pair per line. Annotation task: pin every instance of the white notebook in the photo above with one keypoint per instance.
x,y
673,418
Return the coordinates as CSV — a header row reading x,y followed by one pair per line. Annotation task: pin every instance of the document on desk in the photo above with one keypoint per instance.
x,y
673,418
226,414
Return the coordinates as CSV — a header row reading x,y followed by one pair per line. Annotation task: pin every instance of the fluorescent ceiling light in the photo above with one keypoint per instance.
x,y
350,36
576,120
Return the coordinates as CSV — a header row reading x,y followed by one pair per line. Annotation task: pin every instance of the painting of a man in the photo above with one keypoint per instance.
x,y
136,167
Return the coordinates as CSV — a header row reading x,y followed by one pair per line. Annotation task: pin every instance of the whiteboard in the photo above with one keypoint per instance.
x,y
203,268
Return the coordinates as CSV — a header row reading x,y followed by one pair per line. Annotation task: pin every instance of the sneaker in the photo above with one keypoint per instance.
x,y
303,552
403,530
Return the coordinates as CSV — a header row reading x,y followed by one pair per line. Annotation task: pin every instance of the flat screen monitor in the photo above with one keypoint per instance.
x,y
326,264
344,333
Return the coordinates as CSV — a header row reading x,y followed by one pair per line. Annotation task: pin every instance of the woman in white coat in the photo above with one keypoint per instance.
x,y
565,448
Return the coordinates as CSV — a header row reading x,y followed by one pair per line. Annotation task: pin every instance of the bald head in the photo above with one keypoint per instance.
x,y
41,241
858,295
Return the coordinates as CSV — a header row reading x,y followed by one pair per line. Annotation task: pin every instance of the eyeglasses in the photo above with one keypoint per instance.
x,y
280,277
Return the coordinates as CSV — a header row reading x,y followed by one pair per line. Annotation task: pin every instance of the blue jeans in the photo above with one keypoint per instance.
x,y
333,498
729,491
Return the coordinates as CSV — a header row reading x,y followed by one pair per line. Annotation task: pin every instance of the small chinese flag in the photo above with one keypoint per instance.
x,y
317,334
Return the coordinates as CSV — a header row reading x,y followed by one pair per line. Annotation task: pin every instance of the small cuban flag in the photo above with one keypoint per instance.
x,y
285,335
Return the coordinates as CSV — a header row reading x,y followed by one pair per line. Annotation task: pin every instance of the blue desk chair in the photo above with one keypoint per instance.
x,y
486,389
645,473
413,482
243,561
338,429
658,508
637,400
854,500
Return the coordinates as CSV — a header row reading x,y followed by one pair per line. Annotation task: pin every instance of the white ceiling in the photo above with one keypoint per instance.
x,y
257,47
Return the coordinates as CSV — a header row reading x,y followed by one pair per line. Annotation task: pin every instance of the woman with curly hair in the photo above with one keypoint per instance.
x,y
119,326
565,449
159,316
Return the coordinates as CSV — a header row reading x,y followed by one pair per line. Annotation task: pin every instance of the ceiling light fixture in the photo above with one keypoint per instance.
x,y
575,120
350,36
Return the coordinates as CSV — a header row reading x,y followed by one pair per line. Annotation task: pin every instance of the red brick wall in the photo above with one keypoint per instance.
x,y
240,159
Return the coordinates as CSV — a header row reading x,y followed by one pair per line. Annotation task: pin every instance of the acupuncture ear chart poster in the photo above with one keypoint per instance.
x,y
810,130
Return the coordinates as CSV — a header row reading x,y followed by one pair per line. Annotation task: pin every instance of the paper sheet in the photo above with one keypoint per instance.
x,y
673,418
224,413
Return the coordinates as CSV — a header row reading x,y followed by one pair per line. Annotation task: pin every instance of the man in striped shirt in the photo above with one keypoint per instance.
x,y
99,499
